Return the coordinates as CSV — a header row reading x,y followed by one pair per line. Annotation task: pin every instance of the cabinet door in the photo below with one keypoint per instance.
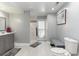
x,y
2,50
6,42
11,41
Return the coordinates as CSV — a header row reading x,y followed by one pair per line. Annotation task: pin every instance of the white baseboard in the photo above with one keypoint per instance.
x,y
20,44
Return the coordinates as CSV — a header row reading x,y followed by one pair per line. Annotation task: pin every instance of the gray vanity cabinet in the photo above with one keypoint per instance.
x,y
2,45
6,43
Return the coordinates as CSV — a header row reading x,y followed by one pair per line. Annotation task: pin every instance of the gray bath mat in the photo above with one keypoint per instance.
x,y
12,52
35,44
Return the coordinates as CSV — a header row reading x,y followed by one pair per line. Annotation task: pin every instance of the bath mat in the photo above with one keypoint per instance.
x,y
35,44
12,52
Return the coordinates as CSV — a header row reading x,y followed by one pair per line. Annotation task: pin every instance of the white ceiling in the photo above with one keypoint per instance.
x,y
35,8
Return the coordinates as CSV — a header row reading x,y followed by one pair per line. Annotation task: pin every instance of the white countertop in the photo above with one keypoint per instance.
x,y
5,33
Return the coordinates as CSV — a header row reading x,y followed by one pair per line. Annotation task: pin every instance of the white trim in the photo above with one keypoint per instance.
x,y
21,44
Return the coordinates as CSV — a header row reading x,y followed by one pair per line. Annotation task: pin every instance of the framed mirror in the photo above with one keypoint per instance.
x,y
2,24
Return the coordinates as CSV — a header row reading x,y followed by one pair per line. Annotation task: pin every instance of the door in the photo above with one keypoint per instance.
x,y
33,37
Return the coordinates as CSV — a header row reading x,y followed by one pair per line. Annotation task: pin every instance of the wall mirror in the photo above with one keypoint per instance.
x,y
2,23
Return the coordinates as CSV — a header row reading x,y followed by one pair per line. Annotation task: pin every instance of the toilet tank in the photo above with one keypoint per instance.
x,y
71,45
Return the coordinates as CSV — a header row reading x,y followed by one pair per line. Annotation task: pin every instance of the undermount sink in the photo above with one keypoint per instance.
x,y
2,32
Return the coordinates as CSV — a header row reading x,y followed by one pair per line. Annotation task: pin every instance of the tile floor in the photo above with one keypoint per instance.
x,y
42,50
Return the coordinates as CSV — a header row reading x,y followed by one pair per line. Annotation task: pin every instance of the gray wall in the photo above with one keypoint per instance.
x,y
20,25
70,29
51,20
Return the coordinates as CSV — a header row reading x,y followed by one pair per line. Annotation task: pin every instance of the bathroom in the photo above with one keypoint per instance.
x,y
24,24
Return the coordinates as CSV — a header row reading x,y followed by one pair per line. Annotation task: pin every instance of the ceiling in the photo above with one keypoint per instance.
x,y
35,8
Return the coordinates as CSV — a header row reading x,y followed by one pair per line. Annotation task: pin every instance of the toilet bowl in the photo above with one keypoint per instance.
x,y
60,52
71,46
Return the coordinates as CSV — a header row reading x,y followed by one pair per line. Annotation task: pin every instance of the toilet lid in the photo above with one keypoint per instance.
x,y
60,51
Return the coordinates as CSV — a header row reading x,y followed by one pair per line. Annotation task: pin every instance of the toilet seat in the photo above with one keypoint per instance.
x,y
60,52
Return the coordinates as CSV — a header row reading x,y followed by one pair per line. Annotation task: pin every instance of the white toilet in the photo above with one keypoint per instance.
x,y
71,47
